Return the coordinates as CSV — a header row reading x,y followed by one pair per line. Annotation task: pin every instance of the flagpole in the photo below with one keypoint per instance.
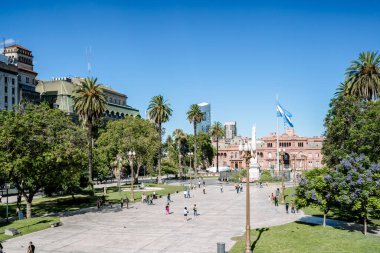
x,y
277,145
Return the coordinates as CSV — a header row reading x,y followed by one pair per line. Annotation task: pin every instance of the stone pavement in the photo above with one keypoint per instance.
x,y
143,229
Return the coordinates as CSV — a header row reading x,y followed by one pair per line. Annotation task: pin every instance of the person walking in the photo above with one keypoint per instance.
x,y
293,210
1,248
237,188
185,194
221,188
199,183
147,200
143,198
31,248
185,212
287,207
275,201
168,198
188,193
195,210
204,189
241,187
167,208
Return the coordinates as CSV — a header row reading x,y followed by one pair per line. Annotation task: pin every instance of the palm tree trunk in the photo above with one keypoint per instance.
x,y
365,226
159,153
195,147
217,154
90,154
324,219
179,159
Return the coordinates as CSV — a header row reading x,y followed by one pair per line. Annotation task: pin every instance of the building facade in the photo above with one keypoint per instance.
x,y
23,59
58,93
230,130
9,89
301,153
205,125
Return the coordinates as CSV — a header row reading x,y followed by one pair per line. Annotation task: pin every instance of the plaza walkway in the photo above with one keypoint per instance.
x,y
143,229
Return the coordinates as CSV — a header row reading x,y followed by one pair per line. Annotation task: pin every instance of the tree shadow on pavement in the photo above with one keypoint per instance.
x,y
261,230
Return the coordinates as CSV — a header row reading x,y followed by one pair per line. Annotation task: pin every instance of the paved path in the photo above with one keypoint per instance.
x,y
144,229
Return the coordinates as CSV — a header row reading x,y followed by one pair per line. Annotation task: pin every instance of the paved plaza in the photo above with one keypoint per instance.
x,y
143,229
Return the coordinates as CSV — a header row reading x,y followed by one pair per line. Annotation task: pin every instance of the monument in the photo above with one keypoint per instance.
x,y
254,168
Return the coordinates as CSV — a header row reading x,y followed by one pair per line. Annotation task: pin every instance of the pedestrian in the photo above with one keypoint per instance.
x,y
1,248
121,203
199,183
204,182
237,188
195,210
143,198
127,202
168,198
147,200
185,193
287,207
275,201
204,190
151,199
241,187
272,197
167,208
293,210
277,192
221,188
31,248
185,212
188,193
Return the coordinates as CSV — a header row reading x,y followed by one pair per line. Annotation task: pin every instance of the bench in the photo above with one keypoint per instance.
x,y
55,224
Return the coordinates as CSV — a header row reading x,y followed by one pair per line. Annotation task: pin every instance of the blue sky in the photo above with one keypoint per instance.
x,y
236,55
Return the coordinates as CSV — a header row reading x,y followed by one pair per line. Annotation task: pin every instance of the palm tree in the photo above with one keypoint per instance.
x,y
362,77
179,136
159,112
217,131
89,104
195,116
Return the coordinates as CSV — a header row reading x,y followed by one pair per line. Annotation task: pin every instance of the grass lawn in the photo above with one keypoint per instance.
x,y
26,226
300,237
46,205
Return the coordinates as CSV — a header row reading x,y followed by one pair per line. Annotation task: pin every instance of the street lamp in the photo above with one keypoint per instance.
x,y
190,154
246,153
131,156
282,154
294,154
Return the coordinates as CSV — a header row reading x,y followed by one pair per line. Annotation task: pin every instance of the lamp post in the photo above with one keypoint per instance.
x,y
246,153
190,154
282,154
294,154
131,156
119,159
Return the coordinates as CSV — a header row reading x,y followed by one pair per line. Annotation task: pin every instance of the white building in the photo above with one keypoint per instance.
x,y
8,83
205,125
230,129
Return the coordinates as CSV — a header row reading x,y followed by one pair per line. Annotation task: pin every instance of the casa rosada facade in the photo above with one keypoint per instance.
x,y
302,153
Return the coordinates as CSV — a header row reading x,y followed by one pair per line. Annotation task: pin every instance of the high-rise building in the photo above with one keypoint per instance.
x,y
230,129
205,125
23,59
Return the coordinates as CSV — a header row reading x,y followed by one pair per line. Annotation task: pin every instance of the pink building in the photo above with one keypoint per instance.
x,y
302,153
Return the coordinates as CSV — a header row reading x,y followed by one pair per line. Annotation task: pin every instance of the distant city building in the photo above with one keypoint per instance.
x,y
302,153
9,90
58,93
26,78
205,125
230,130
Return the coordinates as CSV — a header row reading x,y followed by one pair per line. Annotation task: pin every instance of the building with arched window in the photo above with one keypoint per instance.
x,y
58,93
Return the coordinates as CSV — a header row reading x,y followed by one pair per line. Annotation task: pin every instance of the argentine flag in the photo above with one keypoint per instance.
x,y
286,116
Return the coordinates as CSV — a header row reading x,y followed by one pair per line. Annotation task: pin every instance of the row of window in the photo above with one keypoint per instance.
x,y
6,90
284,144
6,100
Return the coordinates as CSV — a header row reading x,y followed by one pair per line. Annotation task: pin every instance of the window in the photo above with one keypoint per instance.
x,y
6,79
19,78
13,90
269,155
300,144
6,89
316,155
6,99
269,145
13,81
13,101
27,80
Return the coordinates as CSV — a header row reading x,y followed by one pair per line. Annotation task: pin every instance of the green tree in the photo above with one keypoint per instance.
x,y
40,147
352,125
217,131
316,189
179,137
195,116
362,77
159,112
125,135
205,152
89,104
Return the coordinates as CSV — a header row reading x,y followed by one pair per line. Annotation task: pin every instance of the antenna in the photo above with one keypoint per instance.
x,y
88,58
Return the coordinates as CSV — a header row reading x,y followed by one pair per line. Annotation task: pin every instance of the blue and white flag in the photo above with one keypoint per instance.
x,y
286,115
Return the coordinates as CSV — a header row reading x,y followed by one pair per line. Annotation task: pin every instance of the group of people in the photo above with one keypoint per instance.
x,y
148,199
239,188
186,212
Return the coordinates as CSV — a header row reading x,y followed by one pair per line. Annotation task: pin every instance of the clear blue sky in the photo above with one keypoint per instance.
x,y
236,55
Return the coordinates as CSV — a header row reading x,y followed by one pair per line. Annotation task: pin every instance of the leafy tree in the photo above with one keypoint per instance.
x,y
217,131
122,136
159,112
362,77
205,153
40,147
195,116
316,189
352,125
89,104
180,137
357,181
